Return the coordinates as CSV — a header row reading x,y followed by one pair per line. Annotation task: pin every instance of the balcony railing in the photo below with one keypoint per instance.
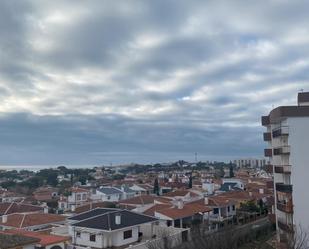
x,y
268,152
265,120
286,188
267,136
269,168
285,207
283,169
285,227
281,131
284,150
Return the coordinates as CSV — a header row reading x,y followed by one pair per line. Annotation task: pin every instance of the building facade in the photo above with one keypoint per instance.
x,y
250,163
287,136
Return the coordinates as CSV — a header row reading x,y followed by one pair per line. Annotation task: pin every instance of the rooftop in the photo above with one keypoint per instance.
x,y
8,241
107,219
44,239
32,219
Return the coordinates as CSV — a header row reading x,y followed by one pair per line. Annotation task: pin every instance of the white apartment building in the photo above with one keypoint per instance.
x,y
250,162
288,150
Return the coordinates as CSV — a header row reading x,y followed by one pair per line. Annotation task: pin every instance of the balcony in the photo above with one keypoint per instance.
x,y
269,168
284,150
283,169
265,120
286,188
268,152
286,207
285,227
267,136
281,131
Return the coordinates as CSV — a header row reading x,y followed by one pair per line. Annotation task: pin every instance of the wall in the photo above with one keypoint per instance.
x,y
118,237
299,159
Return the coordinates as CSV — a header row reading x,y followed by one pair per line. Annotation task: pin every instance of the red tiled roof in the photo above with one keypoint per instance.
x,y
187,211
79,190
156,207
45,239
13,207
33,219
91,206
180,193
139,200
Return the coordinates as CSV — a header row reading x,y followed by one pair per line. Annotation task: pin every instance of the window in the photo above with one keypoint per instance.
x,y
78,197
216,211
233,207
228,208
108,197
127,234
78,234
92,237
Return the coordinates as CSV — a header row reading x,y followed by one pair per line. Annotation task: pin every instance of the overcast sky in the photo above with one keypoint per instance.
x,y
100,82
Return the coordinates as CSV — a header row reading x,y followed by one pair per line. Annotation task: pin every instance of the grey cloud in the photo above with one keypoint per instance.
x,y
201,86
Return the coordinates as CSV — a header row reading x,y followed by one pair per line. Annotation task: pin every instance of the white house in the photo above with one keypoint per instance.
x,y
111,194
78,197
104,228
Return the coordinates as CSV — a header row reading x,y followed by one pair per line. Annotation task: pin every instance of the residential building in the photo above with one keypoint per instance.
x,y
13,207
287,135
111,194
180,214
250,162
14,241
44,241
78,197
105,228
46,194
30,221
142,189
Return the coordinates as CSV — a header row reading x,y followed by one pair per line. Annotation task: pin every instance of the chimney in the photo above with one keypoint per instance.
x,y
303,98
230,187
117,219
206,201
45,210
261,190
4,218
73,208
180,204
250,194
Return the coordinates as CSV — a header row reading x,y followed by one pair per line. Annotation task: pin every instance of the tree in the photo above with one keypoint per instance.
x,y
231,170
190,181
156,188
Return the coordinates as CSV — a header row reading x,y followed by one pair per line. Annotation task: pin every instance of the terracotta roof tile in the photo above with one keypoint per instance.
x,y
44,239
187,211
13,207
33,219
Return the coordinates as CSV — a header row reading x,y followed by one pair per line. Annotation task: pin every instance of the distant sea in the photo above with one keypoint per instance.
x,y
39,167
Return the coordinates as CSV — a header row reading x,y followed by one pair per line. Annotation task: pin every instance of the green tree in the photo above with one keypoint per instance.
x,y
231,171
156,188
190,181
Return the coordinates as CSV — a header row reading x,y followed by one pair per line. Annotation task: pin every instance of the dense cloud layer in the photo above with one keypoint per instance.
x,y
107,81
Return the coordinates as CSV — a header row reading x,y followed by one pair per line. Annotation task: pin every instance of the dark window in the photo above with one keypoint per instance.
x,y
233,207
55,247
127,234
78,234
92,237
228,208
216,211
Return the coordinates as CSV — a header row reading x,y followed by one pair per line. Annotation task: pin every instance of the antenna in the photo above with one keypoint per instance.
x,y
301,90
